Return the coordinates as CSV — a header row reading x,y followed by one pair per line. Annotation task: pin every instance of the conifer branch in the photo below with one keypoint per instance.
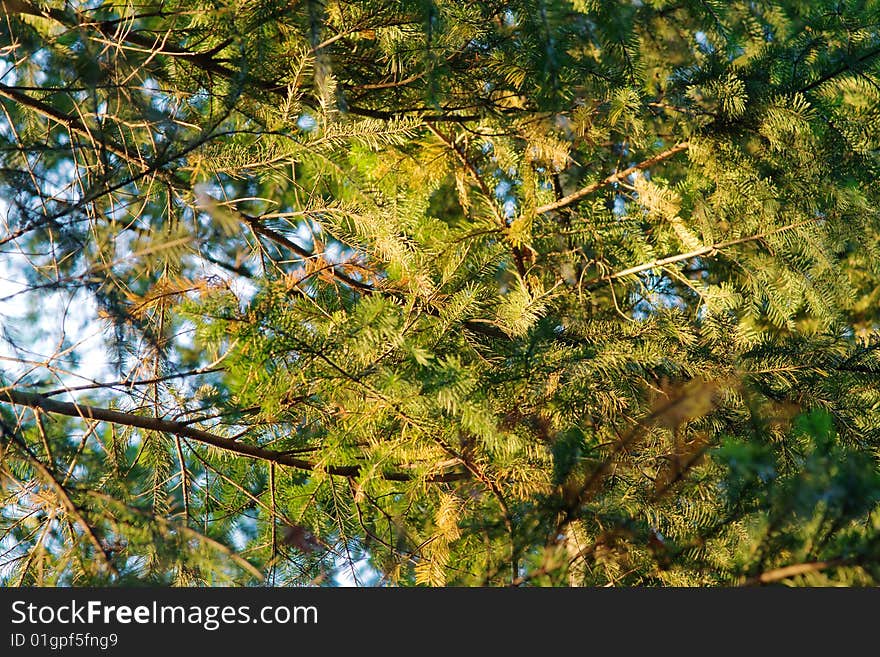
x,y
703,251
35,400
69,505
146,168
281,240
74,125
841,69
518,255
779,574
582,193
132,384
130,130
77,127
205,61
183,528
471,169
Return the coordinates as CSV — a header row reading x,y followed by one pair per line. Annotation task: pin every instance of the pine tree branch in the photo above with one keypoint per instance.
x,y
281,240
205,61
487,330
69,505
469,167
181,528
109,29
131,384
779,574
74,125
34,400
842,69
706,250
147,168
518,255
582,193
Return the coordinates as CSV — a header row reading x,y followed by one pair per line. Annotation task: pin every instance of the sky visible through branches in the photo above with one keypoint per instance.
x,y
527,292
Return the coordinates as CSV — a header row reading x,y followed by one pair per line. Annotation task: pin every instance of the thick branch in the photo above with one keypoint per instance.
x,y
574,197
183,430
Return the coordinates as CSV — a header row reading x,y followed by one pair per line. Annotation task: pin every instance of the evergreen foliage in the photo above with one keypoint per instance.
x,y
523,292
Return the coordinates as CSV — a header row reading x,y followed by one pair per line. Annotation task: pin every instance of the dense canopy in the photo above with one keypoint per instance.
x,y
526,292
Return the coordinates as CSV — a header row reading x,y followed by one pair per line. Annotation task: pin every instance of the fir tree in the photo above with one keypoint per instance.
x,y
535,292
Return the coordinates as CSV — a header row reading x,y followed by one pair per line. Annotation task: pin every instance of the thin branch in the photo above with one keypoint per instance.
x,y
206,61
706,250
69,505
132,384
180,429
183,529
72,124
779,574
518,255
468,165
574,197
842,69
281,240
